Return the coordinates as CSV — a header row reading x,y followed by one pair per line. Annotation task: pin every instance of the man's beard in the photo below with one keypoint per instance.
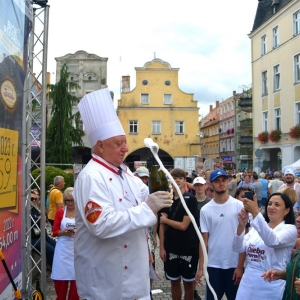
x,y
220,192
289,180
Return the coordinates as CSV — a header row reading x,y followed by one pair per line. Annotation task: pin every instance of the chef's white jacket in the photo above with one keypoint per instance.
x,y
111,249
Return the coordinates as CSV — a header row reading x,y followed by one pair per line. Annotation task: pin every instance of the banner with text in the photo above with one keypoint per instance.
x,y
15,25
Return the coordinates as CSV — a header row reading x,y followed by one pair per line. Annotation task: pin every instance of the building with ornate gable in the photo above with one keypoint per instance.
x,y
158,109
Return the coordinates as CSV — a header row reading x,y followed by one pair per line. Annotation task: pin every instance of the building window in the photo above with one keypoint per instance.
x,y
145,82
276,73
265,121
297,113
277,114
296,21
156,127
133,127
275,37
144,98
167,98
179,127
228,145
167,82
264,90
232,145
80,125
264,45
297,68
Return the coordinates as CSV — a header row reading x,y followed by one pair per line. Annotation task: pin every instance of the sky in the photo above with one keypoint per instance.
x,y
207,40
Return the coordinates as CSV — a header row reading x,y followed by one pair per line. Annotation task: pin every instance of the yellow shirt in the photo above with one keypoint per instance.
x,y
55,197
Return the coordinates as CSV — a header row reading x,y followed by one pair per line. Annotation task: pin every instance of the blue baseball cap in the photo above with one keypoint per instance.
x,y
217,173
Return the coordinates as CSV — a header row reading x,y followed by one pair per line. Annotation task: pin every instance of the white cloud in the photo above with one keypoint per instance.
x,y
207,40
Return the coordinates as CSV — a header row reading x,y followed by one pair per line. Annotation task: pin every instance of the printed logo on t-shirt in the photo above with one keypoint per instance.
x,y
258,255
92,211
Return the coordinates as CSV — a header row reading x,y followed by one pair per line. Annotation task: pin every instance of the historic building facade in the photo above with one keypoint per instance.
x,y
275,40
89,71
158,109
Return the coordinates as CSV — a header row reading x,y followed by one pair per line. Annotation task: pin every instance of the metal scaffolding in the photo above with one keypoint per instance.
x,y
34,97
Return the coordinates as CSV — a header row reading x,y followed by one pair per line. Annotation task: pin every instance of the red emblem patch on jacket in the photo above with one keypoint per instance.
x,y
92,211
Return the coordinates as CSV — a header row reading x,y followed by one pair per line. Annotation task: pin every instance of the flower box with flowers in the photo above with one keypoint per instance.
x,y
263,137
275,135
295,132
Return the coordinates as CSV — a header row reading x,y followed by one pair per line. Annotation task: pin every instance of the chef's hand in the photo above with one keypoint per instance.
x,y
159,200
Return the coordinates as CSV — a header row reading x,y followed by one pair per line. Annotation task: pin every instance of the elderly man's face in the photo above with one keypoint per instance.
x,y
113,150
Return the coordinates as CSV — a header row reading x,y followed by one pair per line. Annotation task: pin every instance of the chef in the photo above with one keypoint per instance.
x,y
111,248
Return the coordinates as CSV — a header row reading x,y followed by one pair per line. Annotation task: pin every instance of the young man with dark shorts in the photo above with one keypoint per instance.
x,y
179,243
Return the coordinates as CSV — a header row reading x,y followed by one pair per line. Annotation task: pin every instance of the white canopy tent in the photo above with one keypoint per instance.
x,y
296,165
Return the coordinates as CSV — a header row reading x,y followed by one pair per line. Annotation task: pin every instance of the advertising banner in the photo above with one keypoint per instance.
x,y
138,164
15,25
186,163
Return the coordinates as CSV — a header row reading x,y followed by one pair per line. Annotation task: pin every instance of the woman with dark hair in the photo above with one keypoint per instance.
x,y
268,245
291,274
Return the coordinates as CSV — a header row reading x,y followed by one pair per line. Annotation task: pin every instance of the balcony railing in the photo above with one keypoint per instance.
x,y
245,140
246,104
245,151
245,124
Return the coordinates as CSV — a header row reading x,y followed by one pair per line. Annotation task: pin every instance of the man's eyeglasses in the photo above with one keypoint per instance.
x,y
33,199
247,188
69,200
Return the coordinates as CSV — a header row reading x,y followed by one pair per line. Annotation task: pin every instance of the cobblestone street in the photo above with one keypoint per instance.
x,y
161,290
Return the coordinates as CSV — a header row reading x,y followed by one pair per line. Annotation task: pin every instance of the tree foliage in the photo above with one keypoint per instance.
x,y
51,172
61,133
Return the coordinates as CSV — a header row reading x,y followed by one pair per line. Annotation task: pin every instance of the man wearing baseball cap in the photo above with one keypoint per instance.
x,y
218,222
289,177
199,185
143,174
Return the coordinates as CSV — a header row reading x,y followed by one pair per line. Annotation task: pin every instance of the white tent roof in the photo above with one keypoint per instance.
x,y
296,165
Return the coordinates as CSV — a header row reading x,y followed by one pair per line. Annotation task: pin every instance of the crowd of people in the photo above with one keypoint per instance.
x,y
247,221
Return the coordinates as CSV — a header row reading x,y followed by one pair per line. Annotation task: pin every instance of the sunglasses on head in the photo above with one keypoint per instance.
x,y
247,188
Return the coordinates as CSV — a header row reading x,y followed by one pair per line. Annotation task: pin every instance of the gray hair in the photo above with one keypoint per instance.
x,y
68,191
276,174
57,180
262,175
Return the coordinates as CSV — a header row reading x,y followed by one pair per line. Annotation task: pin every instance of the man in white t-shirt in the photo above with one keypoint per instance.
x,y
218,222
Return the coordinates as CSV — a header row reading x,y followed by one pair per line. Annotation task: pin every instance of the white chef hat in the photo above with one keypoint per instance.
x,y
289,170
99,116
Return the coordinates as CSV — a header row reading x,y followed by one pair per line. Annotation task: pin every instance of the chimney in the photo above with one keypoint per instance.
x,y
234,93
125,84
210,107
217,103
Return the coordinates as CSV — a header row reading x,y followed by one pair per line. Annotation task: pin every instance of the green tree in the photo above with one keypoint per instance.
x,y
61,133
